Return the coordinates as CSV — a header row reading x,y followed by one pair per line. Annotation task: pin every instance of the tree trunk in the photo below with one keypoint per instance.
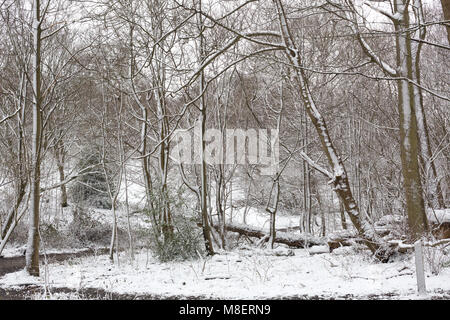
x,y
204,204
432,186
13,211
114,238
32,252
409,146
127,208
60,159
446,10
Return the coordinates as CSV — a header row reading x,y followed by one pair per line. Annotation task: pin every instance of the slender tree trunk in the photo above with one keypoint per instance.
x,y
144,129
342,214
221,203
167,226
204,178
13,211
127,208
32,252
159,83
113,233
60,159
273,211
307,203
204,182
146,170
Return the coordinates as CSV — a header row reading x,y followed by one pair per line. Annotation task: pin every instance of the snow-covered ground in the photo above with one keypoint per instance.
x,y
260,219
16,250
438,216
245,273
242,274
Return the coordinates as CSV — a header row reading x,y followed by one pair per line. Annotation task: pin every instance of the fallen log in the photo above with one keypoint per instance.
x,y
292,240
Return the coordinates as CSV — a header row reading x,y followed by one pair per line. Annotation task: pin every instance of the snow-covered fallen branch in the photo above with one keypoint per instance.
x,y
405,246
293,240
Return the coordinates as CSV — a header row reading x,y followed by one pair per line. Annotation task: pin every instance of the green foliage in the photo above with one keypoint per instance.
x,y
91,189
84,230
186,241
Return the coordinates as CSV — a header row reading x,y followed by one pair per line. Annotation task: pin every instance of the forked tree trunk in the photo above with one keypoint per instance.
x,y
432,185
409,144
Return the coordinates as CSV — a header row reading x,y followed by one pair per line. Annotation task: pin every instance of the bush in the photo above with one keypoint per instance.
x,y
437,258
85,230
91,189
186,241
185,244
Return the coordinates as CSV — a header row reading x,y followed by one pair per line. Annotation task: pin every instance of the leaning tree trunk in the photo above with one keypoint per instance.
x,y
32,252
12,215
339,175
21,175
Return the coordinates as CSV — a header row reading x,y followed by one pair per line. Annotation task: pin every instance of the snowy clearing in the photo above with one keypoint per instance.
x,y
241,274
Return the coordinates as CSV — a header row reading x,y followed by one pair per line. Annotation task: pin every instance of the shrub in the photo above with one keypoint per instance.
x,y
437,258
91,189
186,242
85,230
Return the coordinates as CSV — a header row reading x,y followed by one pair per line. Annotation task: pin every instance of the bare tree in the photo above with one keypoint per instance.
x,y
338,176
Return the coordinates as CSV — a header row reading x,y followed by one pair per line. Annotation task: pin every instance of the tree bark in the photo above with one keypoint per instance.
x,y
446,10
32,252
204,204
432,185
409,145
60,159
